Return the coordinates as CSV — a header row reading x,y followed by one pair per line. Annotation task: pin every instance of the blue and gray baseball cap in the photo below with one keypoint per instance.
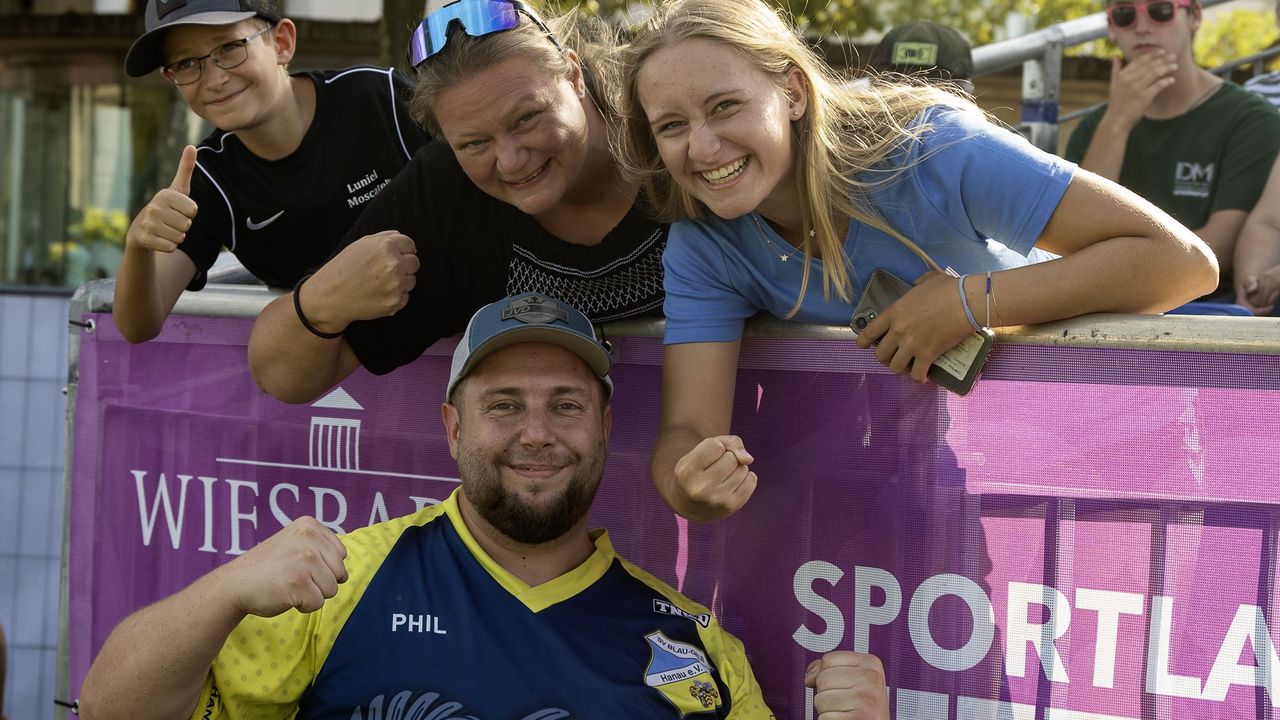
x,y
529,317
147,52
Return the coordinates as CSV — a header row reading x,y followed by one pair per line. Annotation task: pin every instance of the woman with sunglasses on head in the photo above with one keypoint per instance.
x,y
519,193
287,170
789,188
1171,131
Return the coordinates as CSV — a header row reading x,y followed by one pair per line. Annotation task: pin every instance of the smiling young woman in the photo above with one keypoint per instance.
x,y
761,155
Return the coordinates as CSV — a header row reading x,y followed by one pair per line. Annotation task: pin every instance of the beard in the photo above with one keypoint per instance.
x,y
511,515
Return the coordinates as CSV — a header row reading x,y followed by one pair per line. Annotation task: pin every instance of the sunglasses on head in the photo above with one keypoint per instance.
x,y
476,18
1123,15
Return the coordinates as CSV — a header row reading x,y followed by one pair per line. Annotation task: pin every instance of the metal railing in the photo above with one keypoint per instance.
x,y
1190,333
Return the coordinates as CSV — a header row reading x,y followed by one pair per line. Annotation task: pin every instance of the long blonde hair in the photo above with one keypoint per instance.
x,y
843,143
594,41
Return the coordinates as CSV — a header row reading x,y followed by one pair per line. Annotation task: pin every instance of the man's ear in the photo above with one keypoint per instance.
x,y
285,35
452,426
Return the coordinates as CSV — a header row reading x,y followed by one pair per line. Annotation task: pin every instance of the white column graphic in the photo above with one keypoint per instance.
x,y
334,442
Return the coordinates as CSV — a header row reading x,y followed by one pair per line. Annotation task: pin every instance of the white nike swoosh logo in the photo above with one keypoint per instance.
x,y
258,226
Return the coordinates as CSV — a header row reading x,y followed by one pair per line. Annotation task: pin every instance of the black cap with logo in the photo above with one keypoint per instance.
x,y
927,48
147,52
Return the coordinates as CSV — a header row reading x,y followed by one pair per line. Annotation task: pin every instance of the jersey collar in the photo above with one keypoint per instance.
x,y
539,597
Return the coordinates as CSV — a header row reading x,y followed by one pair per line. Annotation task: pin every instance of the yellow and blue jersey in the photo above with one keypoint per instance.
x,y
428,625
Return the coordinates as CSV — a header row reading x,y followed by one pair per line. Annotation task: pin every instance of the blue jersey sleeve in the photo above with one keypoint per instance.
x,y
702,304
984,181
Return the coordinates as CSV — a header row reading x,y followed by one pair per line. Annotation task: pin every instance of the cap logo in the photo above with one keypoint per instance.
x,y
534,309
915,53
164,7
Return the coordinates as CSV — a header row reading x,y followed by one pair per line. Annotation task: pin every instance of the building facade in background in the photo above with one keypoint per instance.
x,y
83,147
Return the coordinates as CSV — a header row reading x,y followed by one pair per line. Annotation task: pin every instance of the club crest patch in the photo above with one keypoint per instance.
x,y
534,309
682,673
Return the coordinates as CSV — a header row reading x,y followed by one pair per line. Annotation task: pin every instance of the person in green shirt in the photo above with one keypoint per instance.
x,y
1195,146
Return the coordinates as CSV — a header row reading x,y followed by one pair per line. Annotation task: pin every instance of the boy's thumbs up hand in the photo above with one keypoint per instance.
x,y
163,223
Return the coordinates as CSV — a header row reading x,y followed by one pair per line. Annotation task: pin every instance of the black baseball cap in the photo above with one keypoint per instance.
x,y
147,52
924,47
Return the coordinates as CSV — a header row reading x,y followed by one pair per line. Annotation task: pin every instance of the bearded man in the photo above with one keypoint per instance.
x,y
498,603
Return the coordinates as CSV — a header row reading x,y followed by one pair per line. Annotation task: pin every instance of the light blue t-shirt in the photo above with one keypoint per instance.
x,y
971,181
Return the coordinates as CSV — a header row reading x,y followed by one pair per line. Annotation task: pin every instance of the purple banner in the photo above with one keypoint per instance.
x,y
1090,534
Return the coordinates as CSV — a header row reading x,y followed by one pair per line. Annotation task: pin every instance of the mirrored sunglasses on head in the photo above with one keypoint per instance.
x,y
476,18
1123,15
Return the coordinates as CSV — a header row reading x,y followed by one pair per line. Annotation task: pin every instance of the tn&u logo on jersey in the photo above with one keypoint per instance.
x,y
682,673
665,608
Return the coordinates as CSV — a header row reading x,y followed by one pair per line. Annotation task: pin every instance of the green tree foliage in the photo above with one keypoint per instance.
x,y
858,18
1234,34
852,18
101,225
1229,35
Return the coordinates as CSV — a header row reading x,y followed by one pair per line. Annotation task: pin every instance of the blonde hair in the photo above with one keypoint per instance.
x,y
594,41
843,143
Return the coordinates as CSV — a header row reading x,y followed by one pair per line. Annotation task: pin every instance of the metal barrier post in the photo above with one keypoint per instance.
x,y
1041,86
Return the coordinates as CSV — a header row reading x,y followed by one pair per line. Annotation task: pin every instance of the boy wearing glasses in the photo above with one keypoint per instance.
x,y
289,167
1198,148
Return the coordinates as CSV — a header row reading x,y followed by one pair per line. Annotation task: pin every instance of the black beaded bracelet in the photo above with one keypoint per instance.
x,y
297,307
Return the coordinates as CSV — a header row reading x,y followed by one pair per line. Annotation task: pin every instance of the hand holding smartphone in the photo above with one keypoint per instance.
x,y
956,369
